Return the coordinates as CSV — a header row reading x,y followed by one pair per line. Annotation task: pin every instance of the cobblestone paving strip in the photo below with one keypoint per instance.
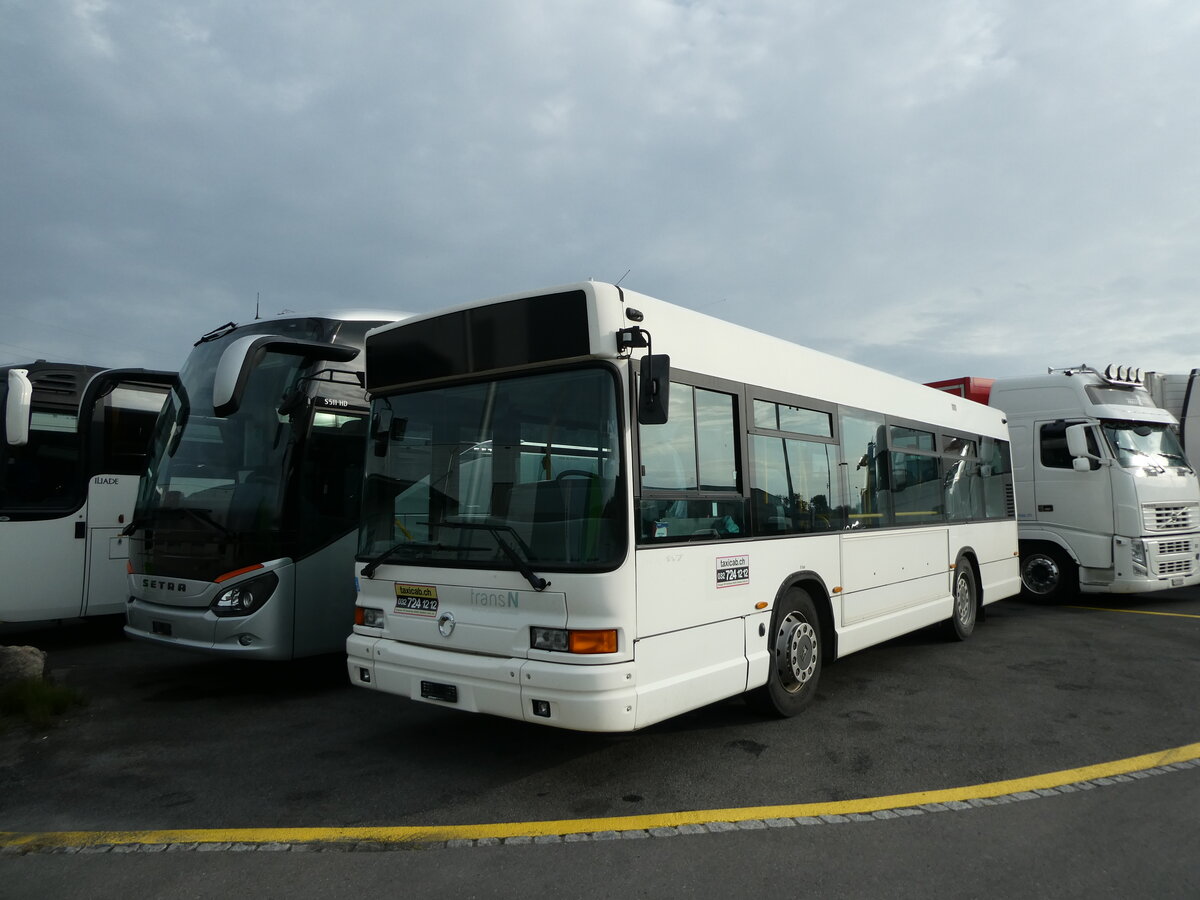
x,y
666,825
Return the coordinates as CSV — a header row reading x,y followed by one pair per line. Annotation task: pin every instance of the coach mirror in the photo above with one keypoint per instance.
x,y
16,408
241,356
654,389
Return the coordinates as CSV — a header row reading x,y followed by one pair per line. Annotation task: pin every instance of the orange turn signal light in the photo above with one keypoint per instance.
x,y
592,641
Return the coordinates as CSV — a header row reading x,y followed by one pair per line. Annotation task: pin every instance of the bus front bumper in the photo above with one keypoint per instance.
x,y
199,629
578,697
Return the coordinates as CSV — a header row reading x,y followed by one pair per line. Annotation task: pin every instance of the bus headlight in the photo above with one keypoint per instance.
x,y
368,616
573,640
246,597
1138,548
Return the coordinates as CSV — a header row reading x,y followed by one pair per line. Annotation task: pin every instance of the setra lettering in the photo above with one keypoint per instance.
x,y
155,584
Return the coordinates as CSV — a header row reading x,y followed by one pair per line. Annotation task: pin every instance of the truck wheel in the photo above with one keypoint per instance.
x,y
1048,574
795,645
966,602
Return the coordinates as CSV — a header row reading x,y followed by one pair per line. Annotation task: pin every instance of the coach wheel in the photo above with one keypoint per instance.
x,y
1047,574
966,602
795,645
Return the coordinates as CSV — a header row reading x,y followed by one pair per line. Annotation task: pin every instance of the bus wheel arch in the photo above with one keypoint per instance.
x,y
799,641
966,594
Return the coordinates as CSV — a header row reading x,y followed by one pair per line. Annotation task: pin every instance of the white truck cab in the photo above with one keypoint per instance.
x,y
1106,500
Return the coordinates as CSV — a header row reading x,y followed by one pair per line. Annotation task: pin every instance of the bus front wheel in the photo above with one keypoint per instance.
x,y
795,645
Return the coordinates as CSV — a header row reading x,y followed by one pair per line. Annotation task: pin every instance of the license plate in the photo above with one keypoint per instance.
x,y
417,606
163,628
433,690
1176,582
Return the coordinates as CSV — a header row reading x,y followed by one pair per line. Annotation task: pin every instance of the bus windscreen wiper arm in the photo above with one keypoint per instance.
x,y
536,581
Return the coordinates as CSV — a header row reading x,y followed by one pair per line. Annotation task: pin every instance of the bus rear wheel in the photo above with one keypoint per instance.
x,y
795,646
962,620
1047,574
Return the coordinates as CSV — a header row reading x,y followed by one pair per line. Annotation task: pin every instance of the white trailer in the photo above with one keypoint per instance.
x,y
1180,396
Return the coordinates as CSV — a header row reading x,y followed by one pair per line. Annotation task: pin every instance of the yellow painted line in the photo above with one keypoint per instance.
x,y
1139,612
441,833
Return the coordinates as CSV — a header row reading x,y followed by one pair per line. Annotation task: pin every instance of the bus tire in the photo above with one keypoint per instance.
x,y
796,654
1047,573
965,593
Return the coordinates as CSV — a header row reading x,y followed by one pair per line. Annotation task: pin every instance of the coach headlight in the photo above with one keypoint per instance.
x,y
246,597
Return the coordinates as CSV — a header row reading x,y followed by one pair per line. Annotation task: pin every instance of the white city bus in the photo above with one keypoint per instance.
x,y
564,526
245,524
74,442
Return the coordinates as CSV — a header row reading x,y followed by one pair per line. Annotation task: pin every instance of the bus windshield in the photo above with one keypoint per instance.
x,y
458,474
213,497
1144,445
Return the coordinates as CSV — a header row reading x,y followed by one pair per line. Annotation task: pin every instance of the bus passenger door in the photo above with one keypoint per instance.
x,y
118,410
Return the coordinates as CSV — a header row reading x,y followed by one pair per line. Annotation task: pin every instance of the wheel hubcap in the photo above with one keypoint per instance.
x,y
795,651
1040,575
964,600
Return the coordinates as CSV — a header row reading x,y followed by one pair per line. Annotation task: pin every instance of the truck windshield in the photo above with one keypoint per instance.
x,y
1144,445
531,462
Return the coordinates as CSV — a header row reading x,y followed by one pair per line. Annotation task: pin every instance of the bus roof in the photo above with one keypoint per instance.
x,y
703,344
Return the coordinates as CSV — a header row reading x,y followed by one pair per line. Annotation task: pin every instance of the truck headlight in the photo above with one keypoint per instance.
x,y
1138,549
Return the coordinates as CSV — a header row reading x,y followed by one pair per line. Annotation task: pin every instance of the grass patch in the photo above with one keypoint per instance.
x,y
37,702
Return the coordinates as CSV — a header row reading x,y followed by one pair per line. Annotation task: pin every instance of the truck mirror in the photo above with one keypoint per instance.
x,y
1077,441
1082,459
16,408
654,389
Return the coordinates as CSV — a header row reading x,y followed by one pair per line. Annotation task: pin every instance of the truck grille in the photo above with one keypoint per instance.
x,y
1175,567
1168,547
1171,516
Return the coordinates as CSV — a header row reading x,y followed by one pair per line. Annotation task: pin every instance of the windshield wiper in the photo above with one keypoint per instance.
x,y
200,515
535,581
218,332
405,544
134,524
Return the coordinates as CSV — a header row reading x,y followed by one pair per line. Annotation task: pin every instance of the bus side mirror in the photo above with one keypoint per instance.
x,y
654,389
381,431
16,408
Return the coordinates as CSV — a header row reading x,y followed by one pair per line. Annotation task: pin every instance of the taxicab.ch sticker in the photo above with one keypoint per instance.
x,y
733,570
416,599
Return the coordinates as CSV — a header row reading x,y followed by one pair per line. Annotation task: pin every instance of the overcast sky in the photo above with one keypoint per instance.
x,y
935,187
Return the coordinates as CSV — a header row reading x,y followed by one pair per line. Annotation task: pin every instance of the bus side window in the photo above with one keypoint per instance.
x,y
694,452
